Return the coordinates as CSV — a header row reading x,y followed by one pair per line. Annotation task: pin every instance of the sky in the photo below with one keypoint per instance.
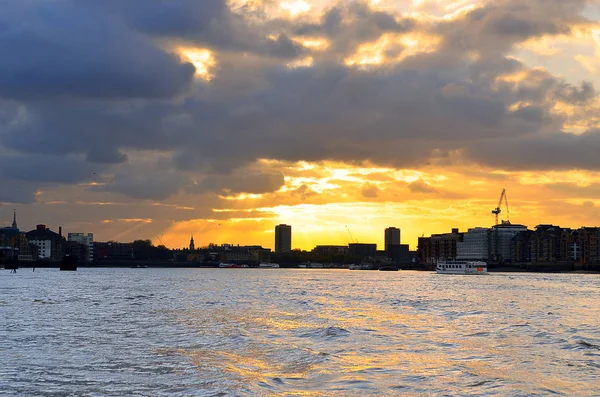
x,y
159,119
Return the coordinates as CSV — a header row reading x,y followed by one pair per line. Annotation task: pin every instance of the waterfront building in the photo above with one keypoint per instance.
x,y
590,247
570,245
362,249
474,245
283,238
50,245
113,251
546,244
14,243
439,247
501,241
331,249
230,253
87,240
259,254
392,237
399,254
521,247
78,250
192,245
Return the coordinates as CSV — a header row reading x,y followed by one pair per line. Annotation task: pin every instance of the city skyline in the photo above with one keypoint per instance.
x,y
391,235
223,119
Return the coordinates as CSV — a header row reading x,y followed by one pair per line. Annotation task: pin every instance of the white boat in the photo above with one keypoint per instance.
x,y
231,266
461,267
266,265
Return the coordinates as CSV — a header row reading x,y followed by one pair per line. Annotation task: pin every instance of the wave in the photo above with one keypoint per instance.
x,y
587,345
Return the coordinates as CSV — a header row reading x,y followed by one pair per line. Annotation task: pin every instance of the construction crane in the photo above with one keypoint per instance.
x,y
351,238
496,211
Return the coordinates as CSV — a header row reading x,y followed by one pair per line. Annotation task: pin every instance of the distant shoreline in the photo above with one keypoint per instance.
x,y
170,265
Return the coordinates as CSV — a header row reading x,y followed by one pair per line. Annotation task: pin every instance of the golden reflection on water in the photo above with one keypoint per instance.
x,y
297,335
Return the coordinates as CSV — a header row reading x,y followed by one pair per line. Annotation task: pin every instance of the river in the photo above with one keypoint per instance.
x,y
297,332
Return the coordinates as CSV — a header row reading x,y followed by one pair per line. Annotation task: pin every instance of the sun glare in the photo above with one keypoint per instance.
x,y
295,8
202,59
393,48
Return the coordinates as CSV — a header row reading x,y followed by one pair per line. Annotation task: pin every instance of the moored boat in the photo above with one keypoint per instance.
x,y
232,266
461,267
266,265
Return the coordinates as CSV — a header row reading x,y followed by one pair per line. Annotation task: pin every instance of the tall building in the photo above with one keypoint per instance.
x,y
392,237
14,224
283,238
192,245
87,240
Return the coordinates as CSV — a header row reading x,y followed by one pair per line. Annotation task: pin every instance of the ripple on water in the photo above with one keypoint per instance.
x,y
209,332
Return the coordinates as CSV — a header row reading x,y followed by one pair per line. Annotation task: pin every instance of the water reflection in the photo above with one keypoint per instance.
x,y
305,333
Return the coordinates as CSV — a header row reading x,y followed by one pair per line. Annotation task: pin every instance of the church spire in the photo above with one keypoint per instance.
x,y
14,224
192,245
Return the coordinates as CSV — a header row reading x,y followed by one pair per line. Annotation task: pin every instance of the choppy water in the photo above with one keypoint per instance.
x,y
247,332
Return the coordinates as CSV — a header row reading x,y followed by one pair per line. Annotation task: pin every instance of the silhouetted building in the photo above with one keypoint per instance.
x,y
521,247
439,247
331,249
589,238
361,249
251,254
399,254
545,244
88,242
192,245
14,243
113,251
392,236
283,238
50,245
77,250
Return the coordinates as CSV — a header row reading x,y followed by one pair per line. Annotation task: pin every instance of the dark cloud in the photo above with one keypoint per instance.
x,y
209,23
63,48
87,80
240,181
151,185
68,170
17,191
556,151
347,25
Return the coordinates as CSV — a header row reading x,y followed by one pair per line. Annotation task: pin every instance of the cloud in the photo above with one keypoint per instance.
x,y
94,82
209,23
421,186
556,151
17,191
64,51
240,181
369,190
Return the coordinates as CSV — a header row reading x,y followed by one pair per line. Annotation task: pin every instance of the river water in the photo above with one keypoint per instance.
x,y
297,332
